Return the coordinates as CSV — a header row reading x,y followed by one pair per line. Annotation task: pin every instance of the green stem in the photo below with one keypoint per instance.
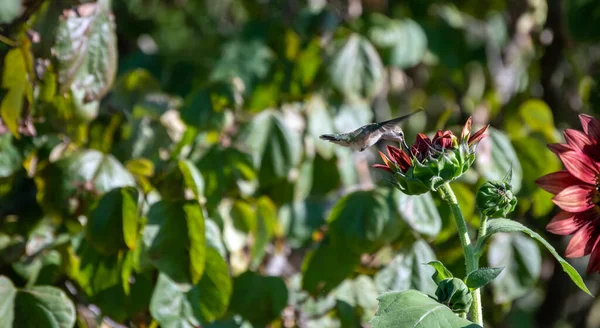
x,y
470,261
482,226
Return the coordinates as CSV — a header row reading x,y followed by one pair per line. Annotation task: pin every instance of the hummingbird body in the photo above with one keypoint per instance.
x,y
368,135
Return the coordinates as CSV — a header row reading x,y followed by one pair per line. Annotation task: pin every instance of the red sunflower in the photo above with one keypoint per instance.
x,y
576,191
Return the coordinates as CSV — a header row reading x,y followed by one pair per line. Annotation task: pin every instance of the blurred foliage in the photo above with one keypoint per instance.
x,y
160,161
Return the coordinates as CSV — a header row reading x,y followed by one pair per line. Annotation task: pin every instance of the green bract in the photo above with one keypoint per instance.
x,y
455,294
432,162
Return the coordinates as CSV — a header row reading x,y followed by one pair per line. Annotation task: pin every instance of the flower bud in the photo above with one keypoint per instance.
x,y
496,199
431,162
453,293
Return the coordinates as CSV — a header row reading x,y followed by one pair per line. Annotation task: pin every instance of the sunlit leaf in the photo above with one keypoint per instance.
x,y
14,81
7,303
420,212
415,309
86,49
505,225
482,277
10,10
404,39
356,69
44,306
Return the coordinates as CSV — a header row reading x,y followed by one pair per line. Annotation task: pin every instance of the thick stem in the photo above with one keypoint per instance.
x,y
465,240
482,226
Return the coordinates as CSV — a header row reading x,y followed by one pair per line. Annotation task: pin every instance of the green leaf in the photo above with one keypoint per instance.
x,y
495,157
203,303
14,80
10,10
276,148
356,69
404,39
257,298
408,270
505,225
44,306
191,177
327,266
175,238
10,158
264,230
319,122
415,309
522,260
113,222
204,108
65,178
419,212
441,272
7,302
362,221
482,277
86,49
299,220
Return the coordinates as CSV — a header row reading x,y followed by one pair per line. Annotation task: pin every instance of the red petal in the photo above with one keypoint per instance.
x,y
591,126
564,223
466,129
577,139
579,245
559,148
557,181
594,264
575,199
580,166
478,135
395,153
382,166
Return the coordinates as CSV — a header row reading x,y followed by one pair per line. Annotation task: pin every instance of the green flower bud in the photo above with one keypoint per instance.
x,y
496,199
453,293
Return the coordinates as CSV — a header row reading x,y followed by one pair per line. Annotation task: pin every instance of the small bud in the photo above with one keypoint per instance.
x,y
496,199
453,293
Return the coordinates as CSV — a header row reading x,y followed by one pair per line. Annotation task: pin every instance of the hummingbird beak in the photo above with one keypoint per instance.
x,y
405,145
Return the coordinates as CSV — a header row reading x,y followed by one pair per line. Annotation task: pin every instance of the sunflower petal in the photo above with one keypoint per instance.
x,y
580,244
575,199
477,136
591,126
383,167
580,166
557,181
564,223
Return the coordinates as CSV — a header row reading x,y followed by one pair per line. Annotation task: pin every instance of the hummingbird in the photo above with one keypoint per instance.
x,y
367,135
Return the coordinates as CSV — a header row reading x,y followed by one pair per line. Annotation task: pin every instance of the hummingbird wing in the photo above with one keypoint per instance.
x,y
395,121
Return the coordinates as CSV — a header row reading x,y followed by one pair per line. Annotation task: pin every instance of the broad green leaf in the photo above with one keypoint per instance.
x,y
224,170
86,49
10,10
44,306
363,221
408,270
257,298
420,212
132,87
522,260
203,303
113,222
299,219
351,114
10,158
197,235
191,177
140,167
275,146
482,277
326,267
495,155
356,69
404,39
7,302
319,122
175,238
14,80
265,228
441,272
412,308
65,178
205,107
243,216
358,292
250,60
504,225
93,271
